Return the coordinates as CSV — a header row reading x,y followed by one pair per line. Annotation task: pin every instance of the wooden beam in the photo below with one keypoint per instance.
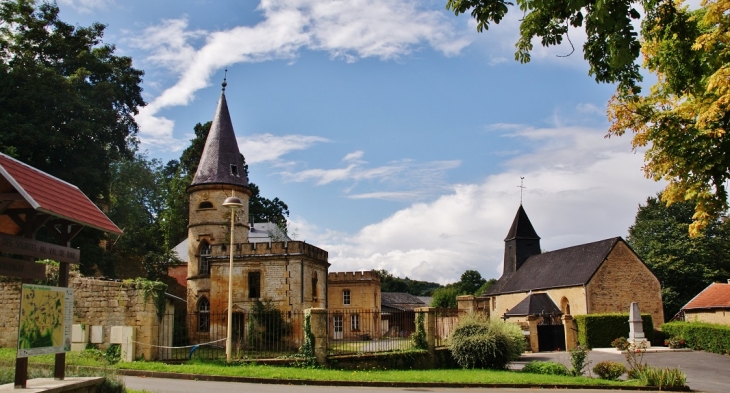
x,y
11,196
4,205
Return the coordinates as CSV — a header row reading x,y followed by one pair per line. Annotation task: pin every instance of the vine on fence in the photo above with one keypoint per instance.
x,y
419,336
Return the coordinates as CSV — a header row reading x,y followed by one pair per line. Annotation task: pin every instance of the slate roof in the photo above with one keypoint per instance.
x,y
534,304
400,301
220,152
53,196
717,295
566,267
521,227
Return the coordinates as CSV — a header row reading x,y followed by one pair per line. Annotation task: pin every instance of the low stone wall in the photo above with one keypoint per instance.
x,y
96,303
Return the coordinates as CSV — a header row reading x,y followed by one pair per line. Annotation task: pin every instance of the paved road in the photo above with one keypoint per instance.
x,y
156,385
706,372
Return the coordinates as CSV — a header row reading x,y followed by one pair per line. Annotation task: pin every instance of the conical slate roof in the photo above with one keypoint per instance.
x,y
521,227
221,162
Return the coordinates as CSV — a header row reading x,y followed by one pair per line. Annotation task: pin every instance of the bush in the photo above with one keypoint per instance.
x,y
550,367
703,336
662,377
578,362
598,330
478,342
609,370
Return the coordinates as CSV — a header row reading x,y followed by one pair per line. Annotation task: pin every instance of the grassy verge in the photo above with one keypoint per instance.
x,y
7,357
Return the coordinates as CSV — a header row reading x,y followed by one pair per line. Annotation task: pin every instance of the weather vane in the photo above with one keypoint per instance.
x,y
522,187
224,84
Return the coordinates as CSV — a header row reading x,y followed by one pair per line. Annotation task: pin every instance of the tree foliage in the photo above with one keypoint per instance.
x,y
684,265
66,101
390,283
683,121
612,46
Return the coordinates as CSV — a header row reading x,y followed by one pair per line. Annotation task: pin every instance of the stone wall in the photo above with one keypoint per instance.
x,y
623,278
574,296
364,290
96,302
708,316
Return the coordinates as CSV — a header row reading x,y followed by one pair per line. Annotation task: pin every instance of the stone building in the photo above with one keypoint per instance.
x,y
290,275
354,299
549,288
712,305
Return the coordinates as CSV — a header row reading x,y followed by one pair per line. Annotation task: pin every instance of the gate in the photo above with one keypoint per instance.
x,y
550,336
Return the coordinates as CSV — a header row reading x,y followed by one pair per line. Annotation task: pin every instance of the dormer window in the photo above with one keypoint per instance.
x,y
205,205
234,170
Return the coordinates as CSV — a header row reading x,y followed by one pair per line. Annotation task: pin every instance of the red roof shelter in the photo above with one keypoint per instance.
x,y
30,200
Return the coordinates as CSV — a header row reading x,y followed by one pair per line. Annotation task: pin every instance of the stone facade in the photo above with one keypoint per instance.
x,y
708,316
354,299
96,302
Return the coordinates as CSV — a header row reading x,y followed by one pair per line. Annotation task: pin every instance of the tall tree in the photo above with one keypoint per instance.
x,y
684,265
66,101
683,121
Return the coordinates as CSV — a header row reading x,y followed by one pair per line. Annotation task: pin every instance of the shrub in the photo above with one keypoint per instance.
x,y
419,336
550,367
634,355
609,370
478,342
597,330
703,336
578,362
662,377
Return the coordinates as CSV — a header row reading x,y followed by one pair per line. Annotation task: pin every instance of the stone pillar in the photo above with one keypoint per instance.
x,y
318,322
636,327
465,303
571,332
429,325
532,323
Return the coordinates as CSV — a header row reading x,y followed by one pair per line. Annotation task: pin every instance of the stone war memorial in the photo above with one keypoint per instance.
x,y
27,208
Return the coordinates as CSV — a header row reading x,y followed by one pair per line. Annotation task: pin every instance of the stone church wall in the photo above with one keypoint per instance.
x,y
623,279
573,296
96,302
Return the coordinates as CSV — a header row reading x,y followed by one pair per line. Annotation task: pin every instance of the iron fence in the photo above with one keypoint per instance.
x,y
266,334
445,321
362,331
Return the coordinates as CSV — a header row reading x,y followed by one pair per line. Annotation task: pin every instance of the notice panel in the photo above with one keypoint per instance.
x,y
37,249
22,269
46,318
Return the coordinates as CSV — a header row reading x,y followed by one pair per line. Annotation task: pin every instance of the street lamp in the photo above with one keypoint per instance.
x,y
232,203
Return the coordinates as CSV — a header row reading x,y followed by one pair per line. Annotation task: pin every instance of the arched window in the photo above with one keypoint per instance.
x,y
205,205
203,315
314,286
565,306
204,264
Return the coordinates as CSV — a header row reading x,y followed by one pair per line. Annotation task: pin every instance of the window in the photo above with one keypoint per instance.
x,y
314,286
204,264
203,315
205,205
355,322
234,170
346,297
254,285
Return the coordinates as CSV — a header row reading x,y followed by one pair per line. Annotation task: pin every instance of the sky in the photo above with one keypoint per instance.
x,y
397,135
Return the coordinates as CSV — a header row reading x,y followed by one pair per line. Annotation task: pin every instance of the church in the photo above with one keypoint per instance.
x,y
605,276
291,275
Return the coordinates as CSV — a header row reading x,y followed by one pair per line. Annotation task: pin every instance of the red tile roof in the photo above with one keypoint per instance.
x,y
717,295
53,196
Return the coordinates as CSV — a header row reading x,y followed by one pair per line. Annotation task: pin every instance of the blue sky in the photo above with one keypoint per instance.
x,y
394,131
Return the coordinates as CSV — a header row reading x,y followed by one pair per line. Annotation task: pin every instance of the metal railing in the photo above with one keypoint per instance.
x,y
265,334
363,331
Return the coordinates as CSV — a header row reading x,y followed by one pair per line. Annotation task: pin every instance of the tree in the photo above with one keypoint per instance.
x,y
471,281
612,46
445,297
684,265
66,101
683,121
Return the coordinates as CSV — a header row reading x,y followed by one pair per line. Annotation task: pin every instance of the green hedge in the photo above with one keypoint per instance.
x,y
598,330
703,336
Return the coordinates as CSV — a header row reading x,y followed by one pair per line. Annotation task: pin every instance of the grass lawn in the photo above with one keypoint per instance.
x,y
92,359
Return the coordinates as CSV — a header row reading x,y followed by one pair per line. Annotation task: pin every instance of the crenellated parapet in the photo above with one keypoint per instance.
x,y
337,277
288,248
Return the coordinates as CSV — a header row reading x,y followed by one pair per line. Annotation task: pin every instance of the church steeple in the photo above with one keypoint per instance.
x,y
521,242
221,162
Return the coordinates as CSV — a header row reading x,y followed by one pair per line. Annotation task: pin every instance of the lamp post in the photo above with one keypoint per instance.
x,y
232,203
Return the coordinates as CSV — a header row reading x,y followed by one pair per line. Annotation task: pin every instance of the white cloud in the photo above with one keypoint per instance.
x,y
580,188
348,29
590,109
85,6
270,148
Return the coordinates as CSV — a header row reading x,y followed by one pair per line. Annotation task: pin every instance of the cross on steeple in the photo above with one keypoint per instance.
x,y
522,187
224,84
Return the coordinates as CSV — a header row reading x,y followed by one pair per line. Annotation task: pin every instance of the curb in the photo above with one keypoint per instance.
x,y
272,381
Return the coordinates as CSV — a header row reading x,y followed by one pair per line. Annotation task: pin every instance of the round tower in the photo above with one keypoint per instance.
x,y
220,174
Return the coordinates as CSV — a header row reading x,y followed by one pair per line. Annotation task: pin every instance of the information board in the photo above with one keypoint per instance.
x,y
46,316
